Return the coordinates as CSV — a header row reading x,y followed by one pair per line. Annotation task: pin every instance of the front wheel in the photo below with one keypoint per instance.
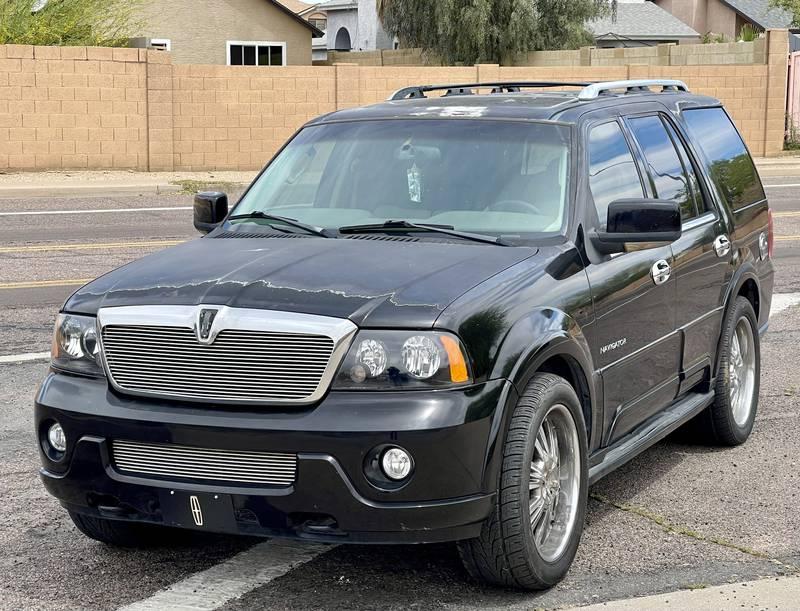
x,y
533,533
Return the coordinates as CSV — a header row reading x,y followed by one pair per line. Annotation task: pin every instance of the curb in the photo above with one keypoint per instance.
x,y
88,190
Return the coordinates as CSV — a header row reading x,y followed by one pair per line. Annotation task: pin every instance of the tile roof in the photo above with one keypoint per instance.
x,y
314,31
296,6
761,13
642,20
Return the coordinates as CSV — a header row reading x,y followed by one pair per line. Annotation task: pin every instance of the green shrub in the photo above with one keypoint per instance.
x,y
749,33
103,23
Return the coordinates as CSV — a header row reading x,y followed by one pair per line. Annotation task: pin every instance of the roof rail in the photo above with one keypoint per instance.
x,y
419,91
592,92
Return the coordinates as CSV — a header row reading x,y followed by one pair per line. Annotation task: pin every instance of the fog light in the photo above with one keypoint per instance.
x,y
396,463
57,438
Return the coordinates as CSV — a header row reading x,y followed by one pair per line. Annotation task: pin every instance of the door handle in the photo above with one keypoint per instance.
x,y
722,246
660,272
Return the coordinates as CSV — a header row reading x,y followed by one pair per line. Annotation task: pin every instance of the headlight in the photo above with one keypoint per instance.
x,y
380,360
75,346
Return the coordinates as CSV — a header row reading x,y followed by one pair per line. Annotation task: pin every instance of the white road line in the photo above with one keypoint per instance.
x,y
24,358
780,186
94,211
783,301
212,588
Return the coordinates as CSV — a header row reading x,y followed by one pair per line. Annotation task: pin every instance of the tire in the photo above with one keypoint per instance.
x,y
120,533
729,420
506,553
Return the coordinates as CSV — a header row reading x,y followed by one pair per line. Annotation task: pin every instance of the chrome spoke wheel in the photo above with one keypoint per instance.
x,y
742,371
554,483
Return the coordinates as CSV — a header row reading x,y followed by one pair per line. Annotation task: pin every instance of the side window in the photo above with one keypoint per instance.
x,y
612,171
664,165
729,163
694,182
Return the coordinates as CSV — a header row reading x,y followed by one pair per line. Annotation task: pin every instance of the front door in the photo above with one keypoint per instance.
x,y
635,346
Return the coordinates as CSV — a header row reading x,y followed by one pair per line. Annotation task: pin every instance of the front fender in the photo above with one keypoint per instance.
x,y
530,342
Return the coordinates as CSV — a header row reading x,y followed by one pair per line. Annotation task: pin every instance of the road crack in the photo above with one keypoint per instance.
x,y
685,531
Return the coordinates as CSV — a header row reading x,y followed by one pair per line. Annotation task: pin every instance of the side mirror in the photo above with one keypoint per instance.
x,y
210,208
639,221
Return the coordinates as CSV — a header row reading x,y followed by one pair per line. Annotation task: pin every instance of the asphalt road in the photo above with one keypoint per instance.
x,y
681,515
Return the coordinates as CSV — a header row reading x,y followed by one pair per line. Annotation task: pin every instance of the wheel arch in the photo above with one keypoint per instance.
x,y
745,283
550,341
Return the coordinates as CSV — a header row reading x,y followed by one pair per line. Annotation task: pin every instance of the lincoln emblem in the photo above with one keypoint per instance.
x,y
197,512
204,323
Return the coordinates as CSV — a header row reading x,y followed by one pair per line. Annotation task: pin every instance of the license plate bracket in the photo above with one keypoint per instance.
x,y
198,510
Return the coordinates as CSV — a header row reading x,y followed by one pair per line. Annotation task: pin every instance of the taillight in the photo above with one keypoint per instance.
x,y
770,235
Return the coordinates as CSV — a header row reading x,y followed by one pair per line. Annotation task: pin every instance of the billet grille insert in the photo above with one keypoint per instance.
x,y
239,365
180,463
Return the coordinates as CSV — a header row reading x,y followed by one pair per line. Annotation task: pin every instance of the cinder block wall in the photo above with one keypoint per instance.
x,y
72,107
236,117
78,107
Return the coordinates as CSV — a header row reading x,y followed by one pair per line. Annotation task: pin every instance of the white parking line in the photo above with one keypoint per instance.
x,y
23,358
783,301
212,588
93,211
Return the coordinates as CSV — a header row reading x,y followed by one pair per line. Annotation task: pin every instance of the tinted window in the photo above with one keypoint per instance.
x,y
729,163
699,200
663,163
612,171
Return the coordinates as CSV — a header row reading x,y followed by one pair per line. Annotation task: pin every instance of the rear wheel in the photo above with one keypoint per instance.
x,y
533,533
118,532
729,420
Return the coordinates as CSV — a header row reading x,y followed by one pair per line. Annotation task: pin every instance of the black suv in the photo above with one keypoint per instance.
x,y
439,318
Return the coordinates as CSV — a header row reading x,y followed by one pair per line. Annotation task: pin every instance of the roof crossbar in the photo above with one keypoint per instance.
x,y
594,91
419,91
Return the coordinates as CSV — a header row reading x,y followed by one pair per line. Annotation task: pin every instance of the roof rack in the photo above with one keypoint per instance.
x,y
594,91
419,91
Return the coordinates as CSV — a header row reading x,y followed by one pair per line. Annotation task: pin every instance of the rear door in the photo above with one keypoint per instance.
x,y
633,339
702,255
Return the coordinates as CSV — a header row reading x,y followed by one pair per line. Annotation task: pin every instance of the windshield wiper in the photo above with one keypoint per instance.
x,y
408,226
258,214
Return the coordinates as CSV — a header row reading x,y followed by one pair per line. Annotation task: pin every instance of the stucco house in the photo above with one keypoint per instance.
x,y
640,23
233,32
727,17
353,25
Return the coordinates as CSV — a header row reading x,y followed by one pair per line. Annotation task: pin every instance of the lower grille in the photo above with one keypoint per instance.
x,y
183,462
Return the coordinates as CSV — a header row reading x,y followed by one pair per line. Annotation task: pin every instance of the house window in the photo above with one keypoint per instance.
x,y
256,53
321,23
161,44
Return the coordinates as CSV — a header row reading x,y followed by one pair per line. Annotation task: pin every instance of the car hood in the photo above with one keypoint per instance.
x,y
375,281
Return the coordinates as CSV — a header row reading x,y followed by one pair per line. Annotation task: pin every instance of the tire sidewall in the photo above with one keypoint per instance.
x,y
553,572
741,309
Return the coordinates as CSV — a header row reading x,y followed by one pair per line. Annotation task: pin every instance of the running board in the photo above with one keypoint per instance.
x,y
649,433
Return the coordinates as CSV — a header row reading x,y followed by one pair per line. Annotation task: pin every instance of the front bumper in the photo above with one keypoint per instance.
x,y
451,434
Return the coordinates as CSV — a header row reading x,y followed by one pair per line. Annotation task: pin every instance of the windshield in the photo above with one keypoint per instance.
x,y
508,178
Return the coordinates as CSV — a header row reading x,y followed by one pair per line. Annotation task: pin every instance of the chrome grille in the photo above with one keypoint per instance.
x,y
240,365
184,462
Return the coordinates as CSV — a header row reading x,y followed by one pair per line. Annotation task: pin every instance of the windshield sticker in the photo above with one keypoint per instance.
x,y
415,184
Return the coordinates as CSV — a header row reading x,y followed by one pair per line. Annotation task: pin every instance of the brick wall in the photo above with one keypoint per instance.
x,y
72,107
235,117
68,108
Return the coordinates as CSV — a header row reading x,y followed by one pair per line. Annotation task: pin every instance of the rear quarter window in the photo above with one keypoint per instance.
x,y
727,159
